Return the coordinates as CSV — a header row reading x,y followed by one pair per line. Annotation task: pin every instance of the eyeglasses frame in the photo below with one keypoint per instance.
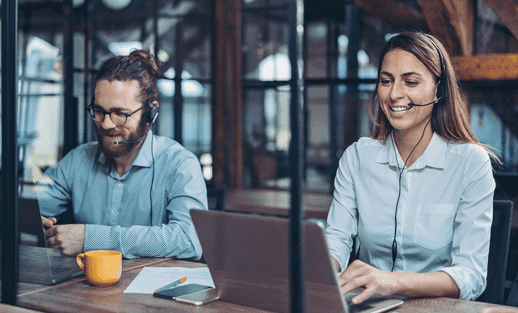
x,y
91,109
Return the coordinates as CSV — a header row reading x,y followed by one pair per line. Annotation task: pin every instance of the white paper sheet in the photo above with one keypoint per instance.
x,y
151,278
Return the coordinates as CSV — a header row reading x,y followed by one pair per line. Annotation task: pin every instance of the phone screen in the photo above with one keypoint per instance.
x,y
179,291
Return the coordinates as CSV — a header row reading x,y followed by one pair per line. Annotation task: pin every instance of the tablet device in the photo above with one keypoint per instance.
x,y
199,297
179,291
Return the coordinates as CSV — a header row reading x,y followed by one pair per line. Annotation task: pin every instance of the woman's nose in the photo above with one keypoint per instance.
x,y
396,92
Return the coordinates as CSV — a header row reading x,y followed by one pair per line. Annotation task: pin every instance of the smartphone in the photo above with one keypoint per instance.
x,y
175,292
199,297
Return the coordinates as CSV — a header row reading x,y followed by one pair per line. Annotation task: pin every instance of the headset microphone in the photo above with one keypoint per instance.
x,y
411,104
132,141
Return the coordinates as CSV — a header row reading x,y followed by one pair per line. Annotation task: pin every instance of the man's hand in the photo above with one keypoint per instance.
x,y
70,238
48,222
359,274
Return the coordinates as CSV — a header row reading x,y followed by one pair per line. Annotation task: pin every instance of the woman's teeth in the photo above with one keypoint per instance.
x,y
400,109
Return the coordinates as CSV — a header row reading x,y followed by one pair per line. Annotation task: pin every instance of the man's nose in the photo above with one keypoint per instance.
x,y
107,123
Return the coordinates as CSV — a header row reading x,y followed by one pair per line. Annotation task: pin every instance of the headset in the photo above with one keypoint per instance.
x,y
440,95
151,112
442,77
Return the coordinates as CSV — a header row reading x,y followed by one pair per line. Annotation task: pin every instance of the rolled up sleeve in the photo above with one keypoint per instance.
x,y
342,218
472,230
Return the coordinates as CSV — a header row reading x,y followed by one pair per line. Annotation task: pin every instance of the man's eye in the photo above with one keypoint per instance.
x,y
119,114
97,111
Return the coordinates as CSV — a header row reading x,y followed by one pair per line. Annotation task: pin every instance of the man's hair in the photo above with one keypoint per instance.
x,y
138,65
450,118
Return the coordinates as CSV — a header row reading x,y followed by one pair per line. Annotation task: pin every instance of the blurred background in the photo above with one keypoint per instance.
x,y
225,73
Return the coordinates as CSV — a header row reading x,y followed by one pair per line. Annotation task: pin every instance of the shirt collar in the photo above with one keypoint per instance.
x,y
435,153
433,156
387,153
143,158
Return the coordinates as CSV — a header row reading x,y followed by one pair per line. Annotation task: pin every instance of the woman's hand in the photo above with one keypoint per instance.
x,y
360,274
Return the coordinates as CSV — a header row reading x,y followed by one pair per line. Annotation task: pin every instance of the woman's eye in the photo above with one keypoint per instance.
x,y
412,83
385,82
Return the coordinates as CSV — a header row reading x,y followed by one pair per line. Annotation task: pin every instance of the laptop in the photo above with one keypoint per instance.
x,y
37,263
248,258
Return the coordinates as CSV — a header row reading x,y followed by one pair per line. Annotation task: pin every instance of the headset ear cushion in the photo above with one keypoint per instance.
x,y
152,112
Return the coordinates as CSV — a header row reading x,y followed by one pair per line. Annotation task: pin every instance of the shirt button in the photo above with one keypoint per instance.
x,y
119,183
114,211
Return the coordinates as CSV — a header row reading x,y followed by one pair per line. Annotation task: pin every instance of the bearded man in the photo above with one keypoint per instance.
x,y
132,190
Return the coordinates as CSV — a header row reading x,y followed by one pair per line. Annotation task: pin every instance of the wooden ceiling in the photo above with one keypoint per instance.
x,y
452,22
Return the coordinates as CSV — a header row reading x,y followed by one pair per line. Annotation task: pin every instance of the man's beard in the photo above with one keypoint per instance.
x,y
112,150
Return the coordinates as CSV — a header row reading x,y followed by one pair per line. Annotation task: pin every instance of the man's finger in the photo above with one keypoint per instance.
x,y
46,222
53,243
51,232
49,222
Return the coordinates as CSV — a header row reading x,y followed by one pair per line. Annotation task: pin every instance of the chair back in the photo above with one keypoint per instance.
x,y
498,252
216,199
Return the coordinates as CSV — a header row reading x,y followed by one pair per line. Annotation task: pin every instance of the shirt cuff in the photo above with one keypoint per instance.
x,y
97,237
468,289
341,256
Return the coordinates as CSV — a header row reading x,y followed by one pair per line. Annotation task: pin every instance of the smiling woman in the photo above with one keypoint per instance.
x,y
416,197
404,80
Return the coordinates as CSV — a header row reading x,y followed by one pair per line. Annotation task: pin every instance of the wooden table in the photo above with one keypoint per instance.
x,y
276,202
14,309
77,295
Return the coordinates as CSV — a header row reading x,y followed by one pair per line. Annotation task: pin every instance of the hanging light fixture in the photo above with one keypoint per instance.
x,y
116,4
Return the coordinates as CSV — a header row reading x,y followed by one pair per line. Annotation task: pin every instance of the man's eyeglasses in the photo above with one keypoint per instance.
x,y
117,117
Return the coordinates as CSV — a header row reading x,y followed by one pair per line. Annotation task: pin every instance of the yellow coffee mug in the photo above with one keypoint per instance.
x,y
102,267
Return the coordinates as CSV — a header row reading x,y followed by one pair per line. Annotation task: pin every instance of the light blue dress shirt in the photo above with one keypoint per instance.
x,y
444,215
117,210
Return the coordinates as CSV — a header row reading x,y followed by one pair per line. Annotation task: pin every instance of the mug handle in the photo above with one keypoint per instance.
x,y
79,260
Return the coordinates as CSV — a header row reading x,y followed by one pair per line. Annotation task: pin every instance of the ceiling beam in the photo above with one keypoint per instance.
x,y
494,67
452,22
401,16
507,11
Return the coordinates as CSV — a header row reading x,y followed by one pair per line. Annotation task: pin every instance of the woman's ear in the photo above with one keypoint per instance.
x,y
437,95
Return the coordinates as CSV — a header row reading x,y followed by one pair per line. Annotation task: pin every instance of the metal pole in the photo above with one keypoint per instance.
x,y
296,26
9,152
86,83
155,31
70,110
178,97
333,31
